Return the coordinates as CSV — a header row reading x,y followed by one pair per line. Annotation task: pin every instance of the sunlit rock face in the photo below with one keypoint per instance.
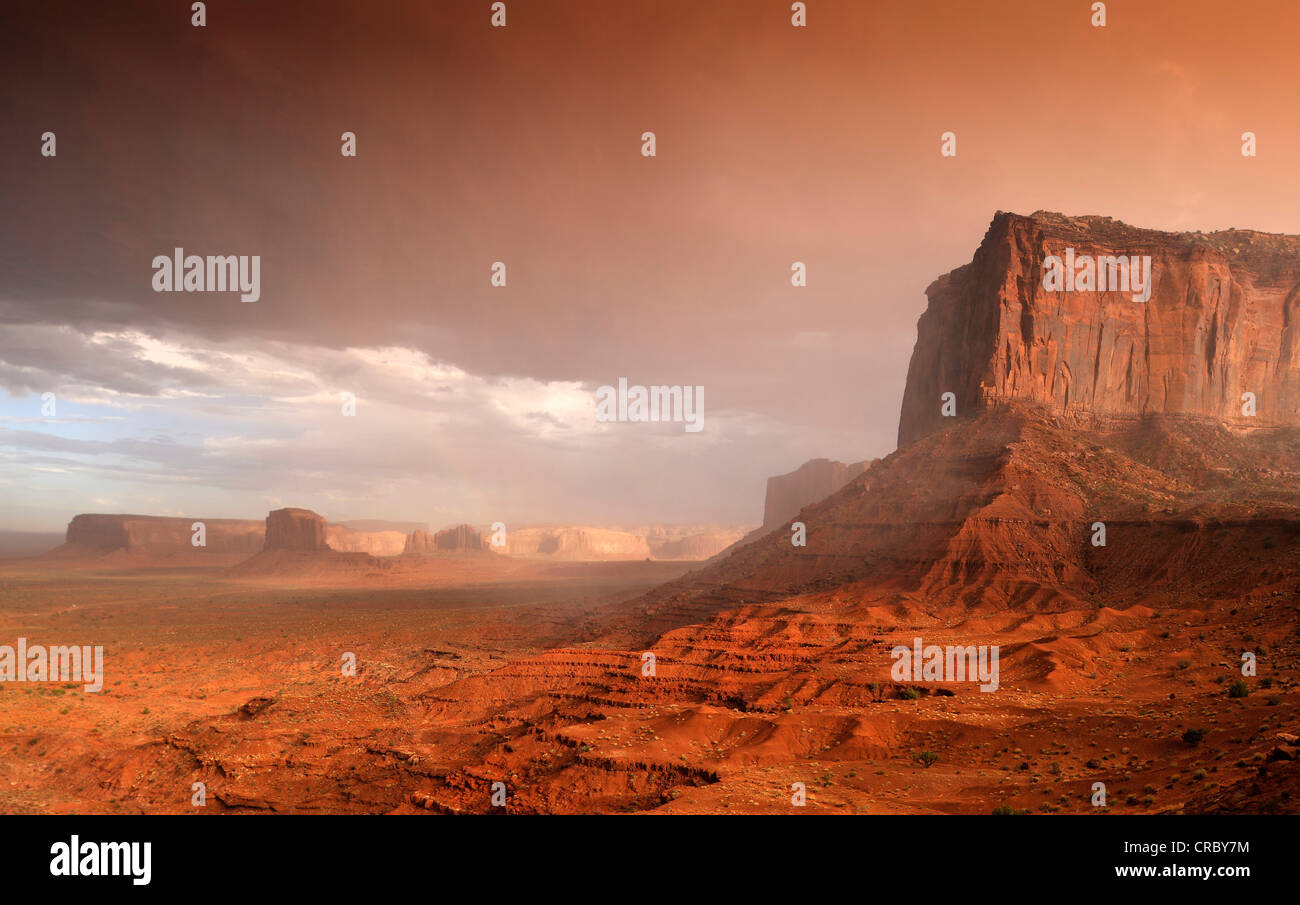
x,y
1221,321
299,530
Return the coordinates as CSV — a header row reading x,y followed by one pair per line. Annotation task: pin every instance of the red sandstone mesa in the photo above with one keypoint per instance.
x,y
299,530
812,481
460,538
1223,320
150,535
773,661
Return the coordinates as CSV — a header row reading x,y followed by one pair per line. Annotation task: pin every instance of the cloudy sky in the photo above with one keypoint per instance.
x,y
522,145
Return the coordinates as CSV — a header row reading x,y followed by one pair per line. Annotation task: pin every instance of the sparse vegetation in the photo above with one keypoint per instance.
x,y
927,759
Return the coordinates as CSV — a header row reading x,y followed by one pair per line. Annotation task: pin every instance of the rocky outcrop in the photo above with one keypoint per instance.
x,y
594,544
458,539
295,530
419,543
347,539
1072,409
297,549
156,535
812,481
693,545
454,540
1222,320
570,542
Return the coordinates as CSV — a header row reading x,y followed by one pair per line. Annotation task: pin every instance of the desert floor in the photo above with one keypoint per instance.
x,y
238,685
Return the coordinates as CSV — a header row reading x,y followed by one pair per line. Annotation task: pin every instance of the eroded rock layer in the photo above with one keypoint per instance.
x,y
155,534
296,530
1223,320
812,481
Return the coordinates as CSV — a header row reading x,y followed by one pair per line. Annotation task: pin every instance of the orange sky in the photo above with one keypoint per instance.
x,y
522,144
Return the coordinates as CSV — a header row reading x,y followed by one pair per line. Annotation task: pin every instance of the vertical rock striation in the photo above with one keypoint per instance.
x,y
298,530
1223,319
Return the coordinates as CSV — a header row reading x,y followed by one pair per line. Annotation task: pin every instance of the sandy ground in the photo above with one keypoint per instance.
x,y
521,681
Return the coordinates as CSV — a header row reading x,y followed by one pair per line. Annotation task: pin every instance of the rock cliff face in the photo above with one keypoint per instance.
x,y
1223,319
571,542
419,543
153,534
461,537
458,539
297,548
693,545
347,539
812,481
585,543
1072,409
297,530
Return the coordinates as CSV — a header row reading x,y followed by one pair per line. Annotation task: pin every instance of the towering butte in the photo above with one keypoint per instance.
x,y
773,662
143,536
1223,320
814,480
297,546
297,530
458,539
1071,408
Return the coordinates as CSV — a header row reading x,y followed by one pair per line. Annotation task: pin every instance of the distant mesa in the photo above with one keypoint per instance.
x,y
138,539
299,530
693,545
142,540
419,543
347,539
374,536
144,537
461,538
812,481
296,547
585,543
576,542
788,494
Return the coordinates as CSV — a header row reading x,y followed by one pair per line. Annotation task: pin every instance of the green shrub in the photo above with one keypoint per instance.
x,y
927,759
